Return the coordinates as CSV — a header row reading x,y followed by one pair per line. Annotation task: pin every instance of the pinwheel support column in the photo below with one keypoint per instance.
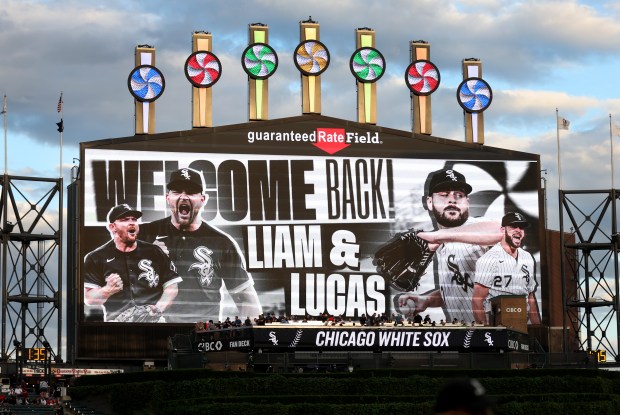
x,y
474,96
259,61
145,110
427,77
311,59
202,97
367,65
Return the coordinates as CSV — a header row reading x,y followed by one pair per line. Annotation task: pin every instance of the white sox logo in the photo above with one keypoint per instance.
x,y
463,281
204,265
185,174
273,338
450,175
149,273
526,274
488,338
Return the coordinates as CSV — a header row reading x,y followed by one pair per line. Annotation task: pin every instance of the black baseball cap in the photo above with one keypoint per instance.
x,y
120,211
464,394
447,179
186,179
514,218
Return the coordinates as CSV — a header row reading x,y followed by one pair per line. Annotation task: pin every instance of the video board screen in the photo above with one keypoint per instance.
x,y
292,227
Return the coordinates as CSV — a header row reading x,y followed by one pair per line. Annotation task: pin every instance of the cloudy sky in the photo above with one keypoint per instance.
x,y
538,56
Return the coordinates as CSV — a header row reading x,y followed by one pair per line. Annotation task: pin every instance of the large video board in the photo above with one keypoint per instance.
x,y
293,215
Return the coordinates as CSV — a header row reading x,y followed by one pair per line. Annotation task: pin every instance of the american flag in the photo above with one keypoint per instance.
x,y
59,108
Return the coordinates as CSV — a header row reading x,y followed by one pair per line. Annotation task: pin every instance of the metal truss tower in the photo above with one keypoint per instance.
x,y
590,268
31,230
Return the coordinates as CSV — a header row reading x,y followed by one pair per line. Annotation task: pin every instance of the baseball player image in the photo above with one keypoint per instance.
x,y
132,280
507,269
455,245
208,259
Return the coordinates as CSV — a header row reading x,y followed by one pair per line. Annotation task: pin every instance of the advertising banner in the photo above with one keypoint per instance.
x,y
407,339
264,230
373,339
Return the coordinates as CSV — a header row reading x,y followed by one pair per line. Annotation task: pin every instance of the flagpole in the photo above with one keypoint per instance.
x,y
557,128
611,142
60,107
5,145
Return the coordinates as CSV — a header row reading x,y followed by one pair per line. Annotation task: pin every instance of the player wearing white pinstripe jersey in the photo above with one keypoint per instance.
x,y
456,264
458,243
507,269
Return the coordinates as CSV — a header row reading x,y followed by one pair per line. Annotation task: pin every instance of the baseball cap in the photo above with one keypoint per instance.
x,y
120,211
514,218
448,179
186,179
467,394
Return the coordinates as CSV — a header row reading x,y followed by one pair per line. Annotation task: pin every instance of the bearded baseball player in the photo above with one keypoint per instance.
x,y
207,258
458,242
126,272
507,269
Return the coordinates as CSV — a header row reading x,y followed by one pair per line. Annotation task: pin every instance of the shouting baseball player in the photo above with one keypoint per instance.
x,y
208,259
458,242
507,269
132,280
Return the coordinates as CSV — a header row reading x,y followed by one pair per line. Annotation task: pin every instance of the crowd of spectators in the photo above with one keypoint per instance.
x,y
20,394
370,320
202,326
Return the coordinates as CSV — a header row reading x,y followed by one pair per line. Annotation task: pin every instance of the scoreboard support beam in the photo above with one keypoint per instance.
x,y
310,84
421,104
145,111
258,88
31,292
366,92
202,98
474,122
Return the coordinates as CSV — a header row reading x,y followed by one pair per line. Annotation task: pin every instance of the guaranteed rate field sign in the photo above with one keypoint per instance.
x,y
300,207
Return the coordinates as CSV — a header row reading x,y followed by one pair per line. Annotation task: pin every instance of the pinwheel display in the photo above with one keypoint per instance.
x,y
422,77
146,83
311,57
203,69
474,95
367,65
259,61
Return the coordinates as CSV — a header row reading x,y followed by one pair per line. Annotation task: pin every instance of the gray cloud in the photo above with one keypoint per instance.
x,y
86,50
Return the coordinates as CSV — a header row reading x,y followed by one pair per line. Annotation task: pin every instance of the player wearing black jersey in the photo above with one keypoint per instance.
x,y
207,259
127,272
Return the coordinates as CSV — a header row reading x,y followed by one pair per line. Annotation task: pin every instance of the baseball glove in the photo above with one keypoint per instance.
x,y
139,314
403,260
